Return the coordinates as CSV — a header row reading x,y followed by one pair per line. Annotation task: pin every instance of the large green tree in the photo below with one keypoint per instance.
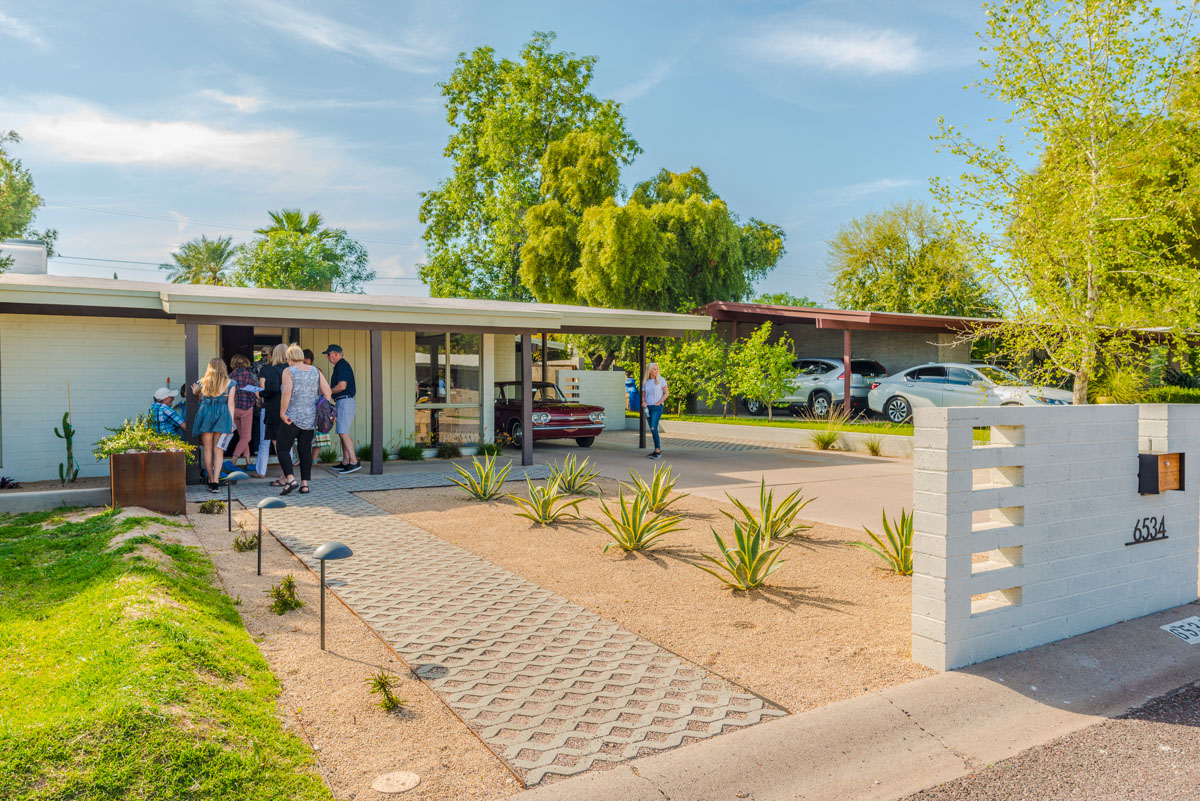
x,y
1089,245
785,299
297,252
19,200
202,261
905,259
504,114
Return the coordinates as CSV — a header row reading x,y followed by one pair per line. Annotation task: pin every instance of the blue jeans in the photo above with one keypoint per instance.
x,y
653,415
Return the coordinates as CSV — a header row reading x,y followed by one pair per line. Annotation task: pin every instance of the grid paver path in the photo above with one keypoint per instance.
x,y
551,688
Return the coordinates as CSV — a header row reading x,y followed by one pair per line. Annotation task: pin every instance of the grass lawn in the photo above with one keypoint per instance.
x,y
126,674
783,420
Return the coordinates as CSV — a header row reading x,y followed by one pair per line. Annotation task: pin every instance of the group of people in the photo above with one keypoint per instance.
x,y
286,389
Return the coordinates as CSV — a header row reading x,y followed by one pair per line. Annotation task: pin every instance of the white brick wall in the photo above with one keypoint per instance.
x,y
1052,500
599,388
114,365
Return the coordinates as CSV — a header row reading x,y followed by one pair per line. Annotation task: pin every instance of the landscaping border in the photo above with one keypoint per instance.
x,y
894,445
22,502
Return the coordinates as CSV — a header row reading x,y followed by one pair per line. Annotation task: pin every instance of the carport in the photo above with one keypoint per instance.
x,y
898,340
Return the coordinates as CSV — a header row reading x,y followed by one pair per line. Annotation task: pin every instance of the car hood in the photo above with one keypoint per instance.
x,y
1053,393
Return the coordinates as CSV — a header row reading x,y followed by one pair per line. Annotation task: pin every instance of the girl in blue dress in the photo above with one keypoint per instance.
x,y
214,417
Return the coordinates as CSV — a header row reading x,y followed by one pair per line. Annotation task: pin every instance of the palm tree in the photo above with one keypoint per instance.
x,y
202,261
295,221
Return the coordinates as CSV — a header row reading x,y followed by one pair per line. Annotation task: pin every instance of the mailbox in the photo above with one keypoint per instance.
x,y
1159,472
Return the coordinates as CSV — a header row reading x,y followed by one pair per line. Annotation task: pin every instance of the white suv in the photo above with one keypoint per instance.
x,y
820,386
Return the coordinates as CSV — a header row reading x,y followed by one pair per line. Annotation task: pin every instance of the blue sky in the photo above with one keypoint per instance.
x,y
146,124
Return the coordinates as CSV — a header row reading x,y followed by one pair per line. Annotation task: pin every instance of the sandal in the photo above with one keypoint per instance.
x,y
277,483
304,490
289,487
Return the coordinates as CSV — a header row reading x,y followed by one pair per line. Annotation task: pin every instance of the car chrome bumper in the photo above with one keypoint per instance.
x,y
567,430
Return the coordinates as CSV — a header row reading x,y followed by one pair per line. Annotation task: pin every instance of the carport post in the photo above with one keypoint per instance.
x,y
526,400
376,404
642,393
846,373
544,373
191,374
733,344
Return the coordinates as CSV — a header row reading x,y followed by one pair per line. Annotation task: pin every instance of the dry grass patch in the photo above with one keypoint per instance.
x,y
829,625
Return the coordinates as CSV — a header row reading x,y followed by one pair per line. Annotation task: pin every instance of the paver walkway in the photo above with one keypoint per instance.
x,y
550,687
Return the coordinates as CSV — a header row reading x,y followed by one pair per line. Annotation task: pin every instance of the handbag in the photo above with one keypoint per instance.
x,y
326,415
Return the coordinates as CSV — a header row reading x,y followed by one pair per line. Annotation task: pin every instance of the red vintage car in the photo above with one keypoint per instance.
x,y
554,417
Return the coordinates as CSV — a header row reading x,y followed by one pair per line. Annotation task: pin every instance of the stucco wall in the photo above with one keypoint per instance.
x,y
895,350
599,388
1050,507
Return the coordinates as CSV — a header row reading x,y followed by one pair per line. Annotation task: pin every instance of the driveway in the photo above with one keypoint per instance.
x,y
850,490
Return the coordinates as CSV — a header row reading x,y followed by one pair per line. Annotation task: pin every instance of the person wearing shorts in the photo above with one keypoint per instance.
x,y
342,385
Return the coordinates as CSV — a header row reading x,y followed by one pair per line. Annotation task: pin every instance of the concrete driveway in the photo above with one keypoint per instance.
x,y
849,489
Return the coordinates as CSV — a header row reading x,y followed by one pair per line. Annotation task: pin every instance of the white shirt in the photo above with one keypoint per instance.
x,y
654,391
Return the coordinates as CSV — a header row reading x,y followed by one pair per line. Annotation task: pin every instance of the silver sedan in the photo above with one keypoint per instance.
x,y
949,384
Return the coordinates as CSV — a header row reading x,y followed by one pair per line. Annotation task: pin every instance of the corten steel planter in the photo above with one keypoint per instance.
x,y
152,480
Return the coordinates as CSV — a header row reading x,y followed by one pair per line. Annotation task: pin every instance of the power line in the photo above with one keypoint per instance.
x,y
85,261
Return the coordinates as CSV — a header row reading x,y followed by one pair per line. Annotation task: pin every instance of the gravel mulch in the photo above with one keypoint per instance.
x,y
831,625
1150,754
325,695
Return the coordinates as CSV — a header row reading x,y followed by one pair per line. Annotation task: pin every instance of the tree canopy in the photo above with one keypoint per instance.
x,y
202,261
295,252
19,200
1092,243
785,299
905,259
504,115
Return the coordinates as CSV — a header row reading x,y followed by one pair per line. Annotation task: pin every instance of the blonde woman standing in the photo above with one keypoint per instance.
x,y
214,417
302,385
654,394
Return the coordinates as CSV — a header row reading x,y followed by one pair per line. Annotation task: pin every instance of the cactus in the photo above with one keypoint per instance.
x,y
67,473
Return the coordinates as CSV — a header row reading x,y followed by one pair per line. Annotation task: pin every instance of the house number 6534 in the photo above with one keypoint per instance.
x,y
1149,529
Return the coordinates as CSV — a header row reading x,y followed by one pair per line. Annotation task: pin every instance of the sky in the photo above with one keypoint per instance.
x,y
146,124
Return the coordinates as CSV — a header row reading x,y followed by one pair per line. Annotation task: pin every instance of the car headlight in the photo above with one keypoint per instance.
x,y
1049,401
596,417
540,418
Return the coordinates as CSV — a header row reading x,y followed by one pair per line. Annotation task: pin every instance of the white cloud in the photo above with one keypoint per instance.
x,y
643,85
253,103
846,195
246,103
73,131
180,220
837,48
410,52
11,26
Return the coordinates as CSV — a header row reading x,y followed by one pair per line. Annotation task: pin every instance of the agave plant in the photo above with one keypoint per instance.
x,y
485,482
895,547
574,478
658,491
771,519
637,527
748,565
545,504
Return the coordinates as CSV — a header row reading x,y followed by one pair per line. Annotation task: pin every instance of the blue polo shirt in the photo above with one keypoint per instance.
x,y
343,372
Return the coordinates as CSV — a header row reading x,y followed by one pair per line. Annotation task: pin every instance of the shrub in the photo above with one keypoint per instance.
x,y
875,446
895,547
545,504
449,450
825,440
772,520
637,527
658,491
1117,385
245,542
1171,395
212,507
749,564
488,449
410,453
8,483
363,452
327,455
283,596
384,684
485,483
137,435
574,478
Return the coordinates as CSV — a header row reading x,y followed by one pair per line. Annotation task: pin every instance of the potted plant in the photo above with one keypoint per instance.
x,y
146,468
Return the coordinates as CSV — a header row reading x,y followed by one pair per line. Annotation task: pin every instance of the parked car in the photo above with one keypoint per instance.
x,y
820,386
956,385
554,417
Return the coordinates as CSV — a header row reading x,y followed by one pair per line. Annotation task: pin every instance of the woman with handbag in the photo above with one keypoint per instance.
x,y
302,385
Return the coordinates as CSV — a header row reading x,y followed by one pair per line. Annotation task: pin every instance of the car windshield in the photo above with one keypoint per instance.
x,y
867,368
546,393
1000,376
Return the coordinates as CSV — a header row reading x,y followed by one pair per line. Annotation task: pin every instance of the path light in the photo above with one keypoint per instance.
x,y
330,550
231,479
265,503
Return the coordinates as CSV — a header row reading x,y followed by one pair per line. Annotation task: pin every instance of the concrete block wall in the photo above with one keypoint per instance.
x,y
1022,541
600,388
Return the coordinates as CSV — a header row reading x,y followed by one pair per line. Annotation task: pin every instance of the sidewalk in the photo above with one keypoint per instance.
x,y
889,744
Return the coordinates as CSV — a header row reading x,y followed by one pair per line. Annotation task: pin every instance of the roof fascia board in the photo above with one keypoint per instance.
x,y
49,295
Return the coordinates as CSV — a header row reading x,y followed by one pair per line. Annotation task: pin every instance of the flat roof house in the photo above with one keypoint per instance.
x,y
421,364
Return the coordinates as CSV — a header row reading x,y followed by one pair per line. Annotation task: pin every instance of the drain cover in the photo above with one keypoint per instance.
x,y
400,781
431,671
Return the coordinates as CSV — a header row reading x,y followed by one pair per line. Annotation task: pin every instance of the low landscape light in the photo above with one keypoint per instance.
x,y
231,478
265,503
326,552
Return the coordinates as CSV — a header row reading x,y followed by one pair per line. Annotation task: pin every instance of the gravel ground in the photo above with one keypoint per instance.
x,y
1150,754
325,694
830,626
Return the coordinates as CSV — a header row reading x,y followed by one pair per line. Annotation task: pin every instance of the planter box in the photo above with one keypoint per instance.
x,y
153,481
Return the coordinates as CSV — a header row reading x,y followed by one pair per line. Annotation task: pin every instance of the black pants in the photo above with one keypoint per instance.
x,y
289,433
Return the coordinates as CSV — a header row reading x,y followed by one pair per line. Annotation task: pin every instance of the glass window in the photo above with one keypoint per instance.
x,y
935,373
961,375
867,368
1001,376
436,425
499,393
431,359
464,360
547,392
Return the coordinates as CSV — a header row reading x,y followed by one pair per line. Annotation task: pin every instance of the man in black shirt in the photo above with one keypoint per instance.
x,y
342,385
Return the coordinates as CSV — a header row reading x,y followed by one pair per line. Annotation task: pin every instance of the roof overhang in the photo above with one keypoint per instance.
x,y
841,319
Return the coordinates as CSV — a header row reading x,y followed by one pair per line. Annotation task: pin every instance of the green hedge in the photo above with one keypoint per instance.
x,y
1171,395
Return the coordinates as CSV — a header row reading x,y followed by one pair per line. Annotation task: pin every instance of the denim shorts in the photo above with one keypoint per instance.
x,y
345,415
